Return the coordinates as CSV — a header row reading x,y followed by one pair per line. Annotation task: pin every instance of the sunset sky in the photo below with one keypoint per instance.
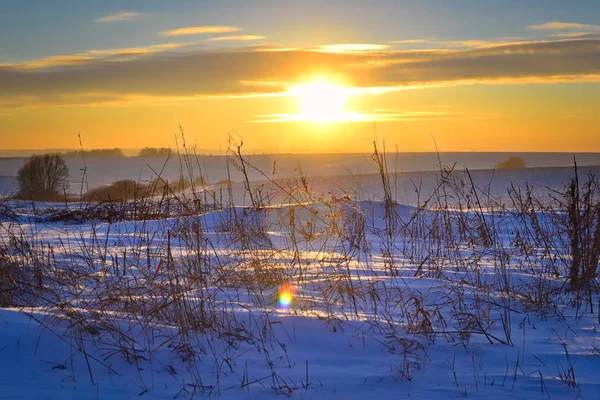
x,y
303,76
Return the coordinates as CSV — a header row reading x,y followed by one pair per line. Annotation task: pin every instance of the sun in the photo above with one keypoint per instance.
x,y
321,101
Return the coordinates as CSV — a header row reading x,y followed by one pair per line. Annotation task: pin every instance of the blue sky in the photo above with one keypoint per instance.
x,y
31,29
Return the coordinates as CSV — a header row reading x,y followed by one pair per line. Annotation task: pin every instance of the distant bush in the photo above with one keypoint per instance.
x,y
43,177
127,189
225,182
179,185
118,191
183,184
200,181
513,162
95,153
155,152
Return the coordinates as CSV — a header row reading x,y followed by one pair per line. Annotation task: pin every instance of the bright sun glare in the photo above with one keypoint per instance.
x,y
322,101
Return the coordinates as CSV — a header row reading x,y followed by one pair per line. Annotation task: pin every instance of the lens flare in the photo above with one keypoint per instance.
x,y
286,296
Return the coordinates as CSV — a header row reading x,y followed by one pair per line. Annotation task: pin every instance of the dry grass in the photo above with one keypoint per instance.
x,y
181,277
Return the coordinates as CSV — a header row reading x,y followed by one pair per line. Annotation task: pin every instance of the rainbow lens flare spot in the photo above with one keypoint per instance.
x,y
286,296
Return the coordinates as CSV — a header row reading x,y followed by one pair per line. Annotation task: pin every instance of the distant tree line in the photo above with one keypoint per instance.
x,y
94,153
155,152
117,153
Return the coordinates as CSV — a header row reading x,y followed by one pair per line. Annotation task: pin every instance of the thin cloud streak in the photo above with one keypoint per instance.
x,y
412,41
352,47
561,26
120,54
238,38
389,116
459,44
118,17
152,49
201,30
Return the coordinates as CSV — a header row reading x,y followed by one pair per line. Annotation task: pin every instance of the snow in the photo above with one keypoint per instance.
x,y
36,363
357,328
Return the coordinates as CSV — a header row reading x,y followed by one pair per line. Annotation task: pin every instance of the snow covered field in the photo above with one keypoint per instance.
x,y
448,294
101,171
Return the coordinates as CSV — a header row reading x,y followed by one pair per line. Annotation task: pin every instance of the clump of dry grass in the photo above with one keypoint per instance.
x,y
21,278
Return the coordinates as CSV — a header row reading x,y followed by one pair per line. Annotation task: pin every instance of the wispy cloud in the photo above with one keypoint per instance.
x,y
120,16
568,30
564,26
375,115
119,54
128,51
352,47
470,43
55,61
457,44
201,30
238,38
411,41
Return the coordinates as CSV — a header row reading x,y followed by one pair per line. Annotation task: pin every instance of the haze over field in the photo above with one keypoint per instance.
x,y
327,172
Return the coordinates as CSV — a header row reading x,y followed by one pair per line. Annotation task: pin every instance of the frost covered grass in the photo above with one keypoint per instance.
x,y
294,294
